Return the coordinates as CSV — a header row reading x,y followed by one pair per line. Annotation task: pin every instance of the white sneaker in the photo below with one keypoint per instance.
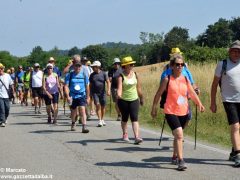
x,y
100,124
103,123
3,125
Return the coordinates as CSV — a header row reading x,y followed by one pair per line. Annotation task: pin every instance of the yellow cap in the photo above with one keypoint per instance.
x,y
1,65
127,60
175,51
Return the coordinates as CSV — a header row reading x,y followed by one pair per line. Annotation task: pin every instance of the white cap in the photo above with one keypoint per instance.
x,y
36,64
49,65
96,63
116,60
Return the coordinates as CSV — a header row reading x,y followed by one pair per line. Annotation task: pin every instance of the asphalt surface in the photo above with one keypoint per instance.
x,y
30,146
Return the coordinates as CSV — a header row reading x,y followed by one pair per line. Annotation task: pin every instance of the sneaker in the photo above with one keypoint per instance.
x,y
55,122
181,165
85,130
119,118
125,137
103,123
100,124
138,140
73,127
49,119
232,156
3,124
174,160
237,160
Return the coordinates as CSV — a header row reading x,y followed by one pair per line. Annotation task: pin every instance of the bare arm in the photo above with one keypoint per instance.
x,y
119,89
139,90
108,87
215,83
157,97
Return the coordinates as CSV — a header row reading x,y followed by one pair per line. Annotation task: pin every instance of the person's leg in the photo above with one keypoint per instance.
x,y
2,111
7,108
103,107
74,111
55,107
123,106
133,110
235,137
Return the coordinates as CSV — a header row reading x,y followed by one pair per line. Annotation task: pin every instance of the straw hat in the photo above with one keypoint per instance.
x,y
127,60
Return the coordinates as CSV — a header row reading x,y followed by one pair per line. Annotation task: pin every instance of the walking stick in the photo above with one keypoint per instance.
x,y
64,105
110,105
160,140
195,145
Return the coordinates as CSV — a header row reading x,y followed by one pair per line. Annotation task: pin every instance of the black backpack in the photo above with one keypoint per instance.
x,y
164,95
223,72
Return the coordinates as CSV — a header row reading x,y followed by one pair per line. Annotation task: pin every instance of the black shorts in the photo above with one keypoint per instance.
x,y
99,99
49,101
175,121
233,112
37,92
129,108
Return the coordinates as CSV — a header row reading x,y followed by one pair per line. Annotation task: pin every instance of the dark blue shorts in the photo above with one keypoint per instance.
x,y
49,101
79,102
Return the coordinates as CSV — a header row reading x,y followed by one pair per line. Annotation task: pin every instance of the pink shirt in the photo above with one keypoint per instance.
x,y
177,96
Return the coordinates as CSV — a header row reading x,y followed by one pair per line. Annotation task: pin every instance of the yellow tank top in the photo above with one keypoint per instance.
x,y
129,88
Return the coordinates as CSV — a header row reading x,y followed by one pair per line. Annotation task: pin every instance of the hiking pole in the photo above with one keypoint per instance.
x,y
110,104
195,145
160,140
64,106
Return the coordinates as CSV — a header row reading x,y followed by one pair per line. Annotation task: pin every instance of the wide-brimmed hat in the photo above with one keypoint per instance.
x,y
235,45
96,63
2,66
127,60
175,51
116,60
51,59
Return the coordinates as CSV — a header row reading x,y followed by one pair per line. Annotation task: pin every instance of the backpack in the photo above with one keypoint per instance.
x,y
164,94
223,72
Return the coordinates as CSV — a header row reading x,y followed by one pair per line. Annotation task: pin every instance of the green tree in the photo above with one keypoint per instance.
x,y
177,36
97,52
73,51
38,56
235,27
217,35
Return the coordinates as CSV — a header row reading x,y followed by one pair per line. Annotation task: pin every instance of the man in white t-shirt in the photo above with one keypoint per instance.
x,y
36,86
5,83
227,74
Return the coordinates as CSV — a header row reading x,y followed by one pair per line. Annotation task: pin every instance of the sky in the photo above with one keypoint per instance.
x,y
25,24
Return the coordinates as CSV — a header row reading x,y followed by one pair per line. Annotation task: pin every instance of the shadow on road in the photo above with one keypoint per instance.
x,y
135,164
49,131
139,149
191,161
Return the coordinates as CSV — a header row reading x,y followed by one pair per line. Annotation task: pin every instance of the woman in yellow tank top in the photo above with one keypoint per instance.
x,y
129,93
176,107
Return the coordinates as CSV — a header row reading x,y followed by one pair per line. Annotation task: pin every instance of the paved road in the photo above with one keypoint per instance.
x,y
29,144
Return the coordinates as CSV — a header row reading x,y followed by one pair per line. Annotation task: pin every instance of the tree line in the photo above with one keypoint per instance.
x,y
155,47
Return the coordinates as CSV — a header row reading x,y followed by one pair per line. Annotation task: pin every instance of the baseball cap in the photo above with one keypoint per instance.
x,y
96,63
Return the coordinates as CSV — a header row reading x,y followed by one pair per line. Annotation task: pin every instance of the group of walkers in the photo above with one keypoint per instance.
x,y
86,84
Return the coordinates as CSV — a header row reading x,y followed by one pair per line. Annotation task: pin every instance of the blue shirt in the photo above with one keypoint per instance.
x,y
19,76
185,72
78,84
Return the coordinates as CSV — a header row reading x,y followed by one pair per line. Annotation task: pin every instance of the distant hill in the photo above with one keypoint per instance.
x,y
110,45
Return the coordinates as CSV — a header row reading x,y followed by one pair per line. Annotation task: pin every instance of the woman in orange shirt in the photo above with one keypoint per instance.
x,y
179,89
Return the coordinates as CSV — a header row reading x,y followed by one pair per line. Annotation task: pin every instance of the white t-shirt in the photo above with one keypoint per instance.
x,y
230,86
37,78
7,80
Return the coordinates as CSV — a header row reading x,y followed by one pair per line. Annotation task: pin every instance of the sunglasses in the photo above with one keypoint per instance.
x,y
180,64
1,68
49,68
36,66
